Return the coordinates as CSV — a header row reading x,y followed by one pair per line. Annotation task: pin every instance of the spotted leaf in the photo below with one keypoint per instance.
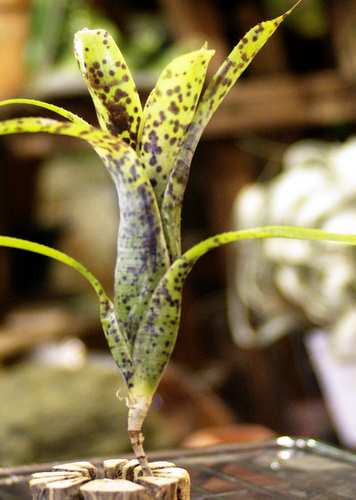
x,y
158,331
110,84
116,339
51,107
79,130
234,65
230,70
142,254
168,112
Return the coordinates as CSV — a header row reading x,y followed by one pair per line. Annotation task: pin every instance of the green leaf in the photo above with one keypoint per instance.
x,y
168,112
51,107
158,331
230,70
116,339
79,130
110,84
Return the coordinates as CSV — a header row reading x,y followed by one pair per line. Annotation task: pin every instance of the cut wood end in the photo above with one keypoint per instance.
x,y
55,474
174,471
181,476
154,466
114,462
113,468
111,485
127,470
48,477
83,467
159,483
159,487
66,485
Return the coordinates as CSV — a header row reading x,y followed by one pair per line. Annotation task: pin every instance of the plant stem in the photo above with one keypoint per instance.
x,y
138,408
136,438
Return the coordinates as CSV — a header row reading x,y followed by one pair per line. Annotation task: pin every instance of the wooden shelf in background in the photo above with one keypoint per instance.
x,y
320,99
24,329
274,102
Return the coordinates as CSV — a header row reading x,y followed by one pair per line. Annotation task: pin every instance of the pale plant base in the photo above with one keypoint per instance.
x,y
123,480
138,408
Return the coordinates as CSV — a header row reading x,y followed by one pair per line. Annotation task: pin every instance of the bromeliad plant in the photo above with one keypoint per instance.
x,y
148,154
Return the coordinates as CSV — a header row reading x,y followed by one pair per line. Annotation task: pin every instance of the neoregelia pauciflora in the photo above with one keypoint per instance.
x,y
148,152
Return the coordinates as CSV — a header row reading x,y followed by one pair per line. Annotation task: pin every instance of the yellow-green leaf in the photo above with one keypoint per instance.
x,y
230,70
116,339
168,112
31,125
110,84
51,107
158,331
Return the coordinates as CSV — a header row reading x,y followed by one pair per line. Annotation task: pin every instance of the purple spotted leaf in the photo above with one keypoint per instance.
x,y
110,84
142,254
157,335
230,70
167,114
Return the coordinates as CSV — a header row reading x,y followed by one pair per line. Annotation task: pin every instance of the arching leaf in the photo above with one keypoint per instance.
x,y
116,339
31,125
110,84
51,107
158,331
230,70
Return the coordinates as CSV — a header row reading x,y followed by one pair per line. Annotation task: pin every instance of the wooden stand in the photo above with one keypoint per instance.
x,y
123,480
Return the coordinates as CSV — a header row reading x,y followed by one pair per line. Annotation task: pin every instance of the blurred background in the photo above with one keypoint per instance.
x,y
268,333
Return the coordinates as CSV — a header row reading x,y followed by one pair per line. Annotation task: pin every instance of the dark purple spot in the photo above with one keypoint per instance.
x,y
173,108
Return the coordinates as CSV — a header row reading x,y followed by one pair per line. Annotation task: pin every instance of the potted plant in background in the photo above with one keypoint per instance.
x,y
147,153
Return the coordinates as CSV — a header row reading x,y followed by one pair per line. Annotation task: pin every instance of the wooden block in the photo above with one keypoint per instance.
x,y
159,487
113,468
132,469
128,469
117,489
154,466
64,489
40,480
54,475
85,468
181,476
